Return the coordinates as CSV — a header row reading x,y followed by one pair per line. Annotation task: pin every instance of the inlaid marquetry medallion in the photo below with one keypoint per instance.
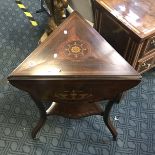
x,y
75,50
73,95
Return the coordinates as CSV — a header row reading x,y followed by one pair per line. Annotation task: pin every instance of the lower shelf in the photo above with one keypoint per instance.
x,y
74,110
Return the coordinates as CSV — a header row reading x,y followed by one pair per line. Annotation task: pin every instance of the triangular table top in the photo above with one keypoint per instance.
x,y
74,68
74,49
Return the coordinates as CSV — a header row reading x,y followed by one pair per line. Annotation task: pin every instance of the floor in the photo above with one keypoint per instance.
x,y
134,117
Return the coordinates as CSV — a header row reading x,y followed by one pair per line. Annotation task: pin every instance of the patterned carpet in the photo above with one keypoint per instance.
x,y
60,136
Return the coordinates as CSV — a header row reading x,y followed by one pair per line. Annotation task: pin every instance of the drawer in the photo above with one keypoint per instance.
x,y
146,63
150,46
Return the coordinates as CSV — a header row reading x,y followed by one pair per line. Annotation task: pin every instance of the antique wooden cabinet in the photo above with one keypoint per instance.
x,y
129,26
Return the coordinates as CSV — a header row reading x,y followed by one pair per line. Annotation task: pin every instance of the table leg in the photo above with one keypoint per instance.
x,y
42,119
119,97
107,120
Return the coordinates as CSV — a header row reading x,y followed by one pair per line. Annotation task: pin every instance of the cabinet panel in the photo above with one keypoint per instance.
x,y
150,46
112,31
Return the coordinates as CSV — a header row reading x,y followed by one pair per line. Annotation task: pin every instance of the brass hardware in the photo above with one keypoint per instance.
x,y
144,64
148,65
57,9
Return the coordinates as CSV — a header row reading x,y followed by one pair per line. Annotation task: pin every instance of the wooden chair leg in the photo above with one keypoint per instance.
x,y
107,121
42,119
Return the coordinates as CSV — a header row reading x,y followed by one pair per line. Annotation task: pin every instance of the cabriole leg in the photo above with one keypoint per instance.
x,y
42,119
107,121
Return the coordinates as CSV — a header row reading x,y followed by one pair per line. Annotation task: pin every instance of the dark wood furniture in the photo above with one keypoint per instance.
x,y
73,69
129,26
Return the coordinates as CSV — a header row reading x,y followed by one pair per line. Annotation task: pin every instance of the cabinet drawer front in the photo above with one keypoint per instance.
x,y
146,64
150,46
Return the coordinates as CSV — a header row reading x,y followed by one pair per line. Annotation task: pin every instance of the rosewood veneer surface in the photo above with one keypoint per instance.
x,y
73,69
